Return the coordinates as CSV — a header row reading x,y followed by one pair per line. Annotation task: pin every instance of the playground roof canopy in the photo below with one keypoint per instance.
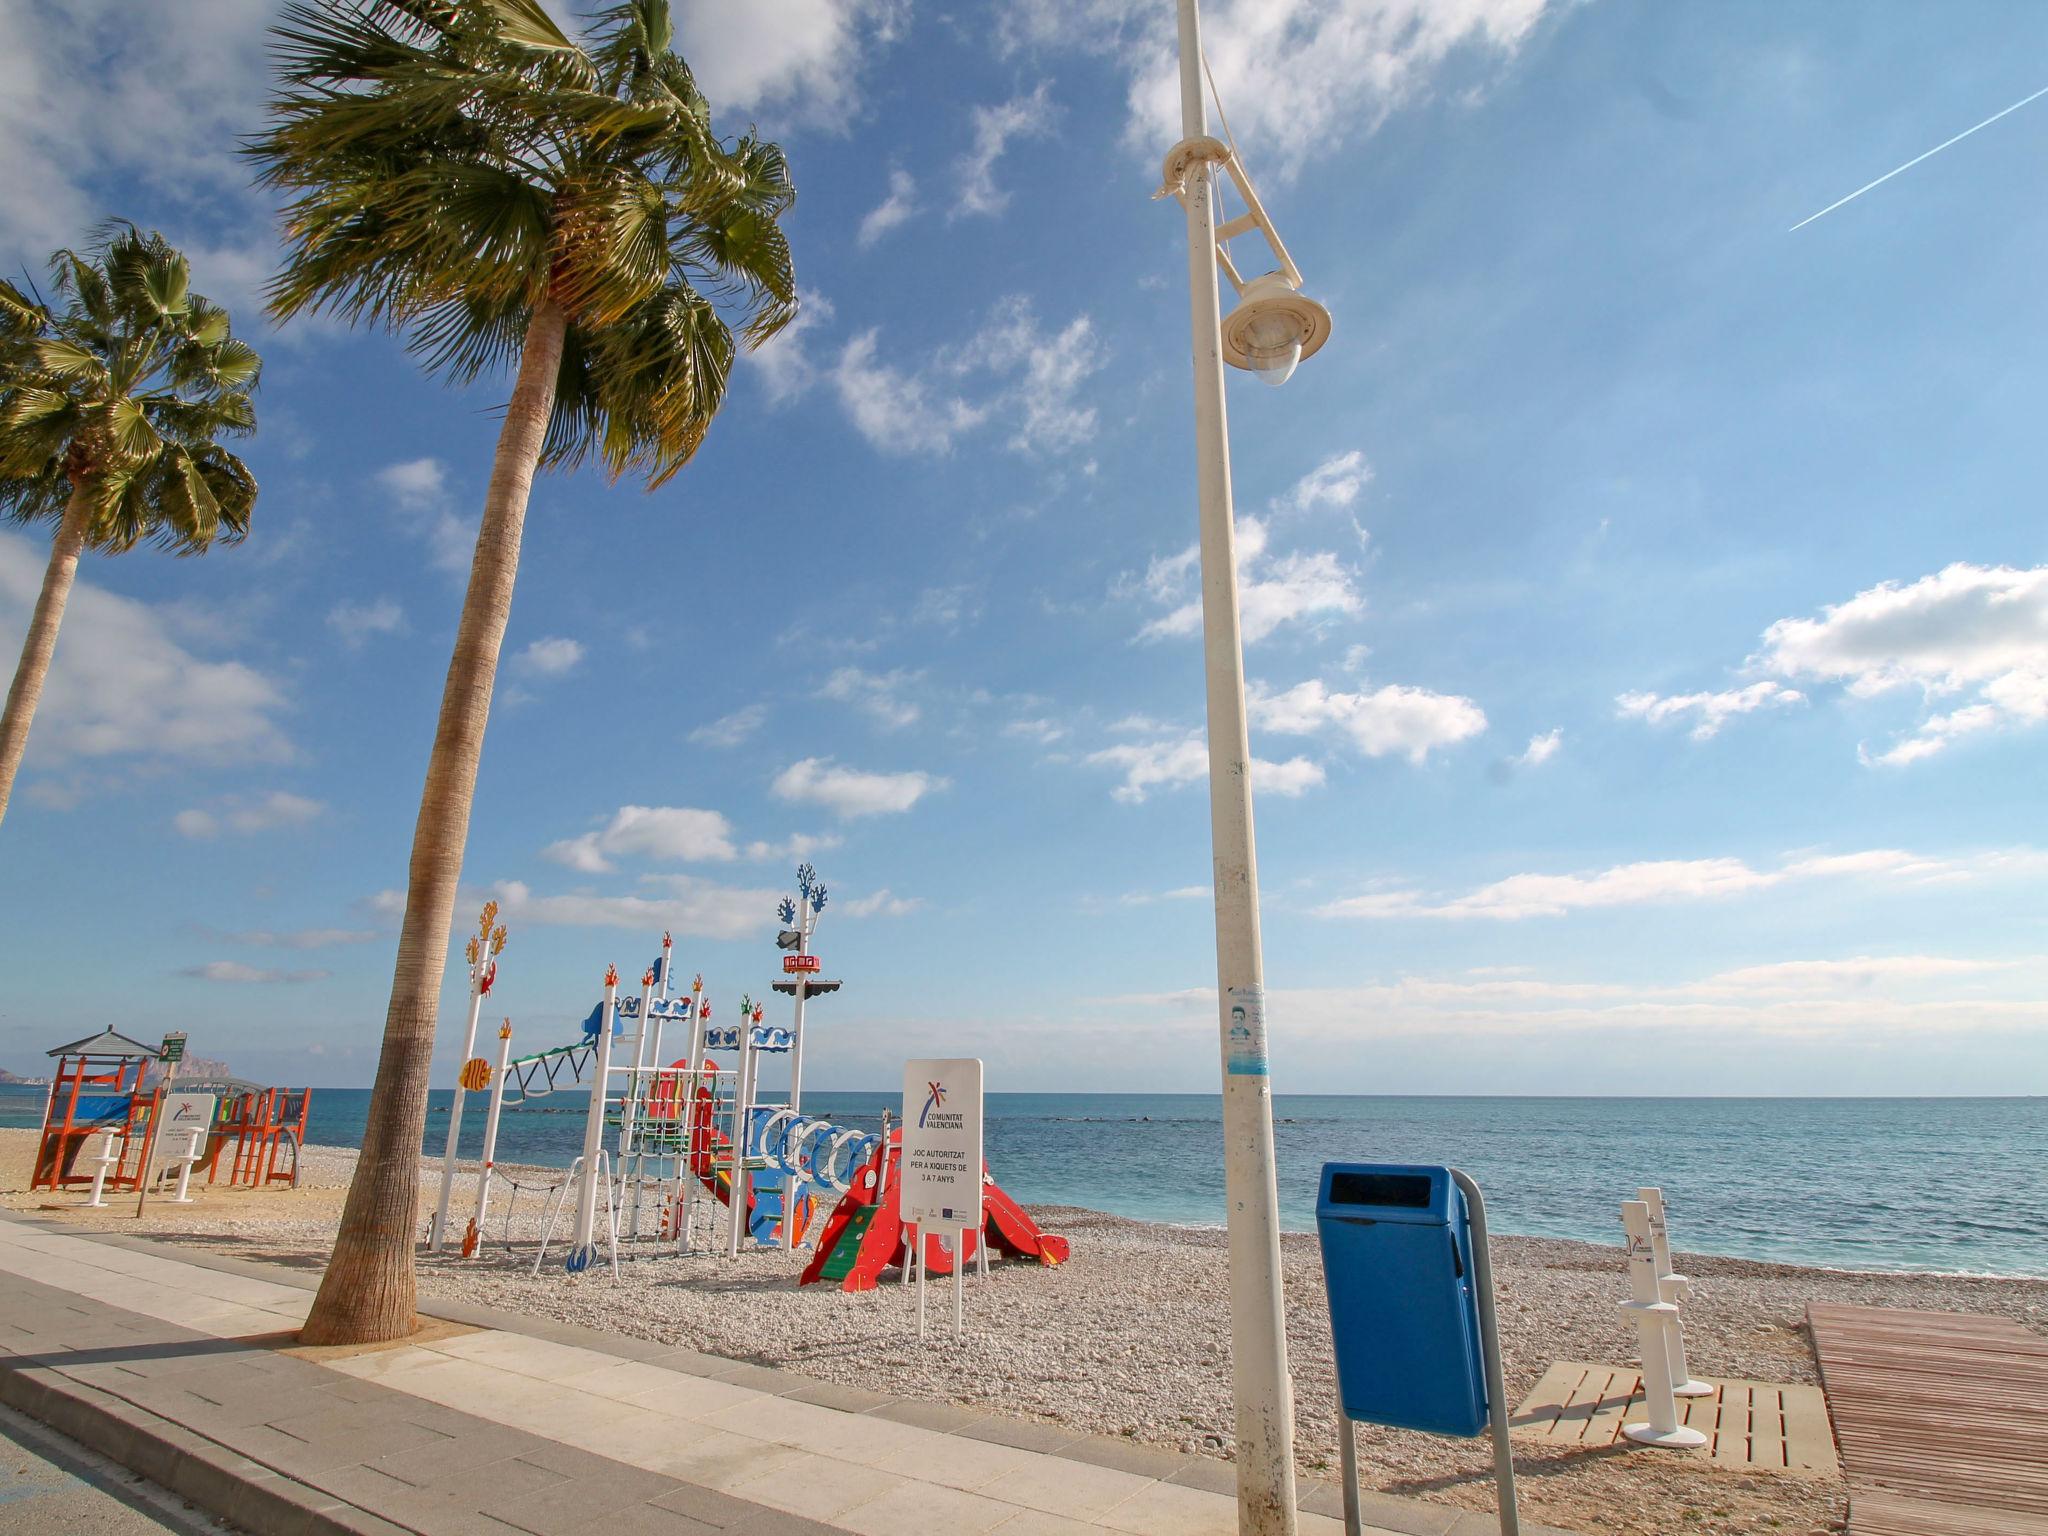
x,y
106,1043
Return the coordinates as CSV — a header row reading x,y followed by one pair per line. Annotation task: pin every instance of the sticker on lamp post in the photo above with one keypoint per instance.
x,y
1244,1052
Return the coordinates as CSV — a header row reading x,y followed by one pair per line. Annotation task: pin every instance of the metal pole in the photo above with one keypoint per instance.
x,y
490,1157
1347,1460
1263,1392
1489,1340
583,1237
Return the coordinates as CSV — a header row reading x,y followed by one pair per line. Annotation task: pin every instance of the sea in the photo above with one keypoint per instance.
x,y
1952,1185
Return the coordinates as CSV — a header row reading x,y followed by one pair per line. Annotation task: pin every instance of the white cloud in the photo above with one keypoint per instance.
x,y
190,82
849,792
235,971
550,656
1336,483
791,61
784,360
688,906
419,487
356,622
882,904
891,211
1169,762
1272,589
1966,630
899,412
730,730
798,845
1541,749
303,938
1291,779
947,607
670,833
120,684
247,815
1044,732
1660,881
879,694
1010,370
1298,77
994,127
1392,719
1709,711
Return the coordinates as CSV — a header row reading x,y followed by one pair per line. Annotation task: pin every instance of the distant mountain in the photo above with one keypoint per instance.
x,y
26,1082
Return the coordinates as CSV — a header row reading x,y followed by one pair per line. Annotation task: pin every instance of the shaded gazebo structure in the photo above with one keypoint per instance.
x,y
97,1087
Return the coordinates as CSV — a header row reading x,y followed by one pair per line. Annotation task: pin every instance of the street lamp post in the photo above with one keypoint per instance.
x,y
1270,329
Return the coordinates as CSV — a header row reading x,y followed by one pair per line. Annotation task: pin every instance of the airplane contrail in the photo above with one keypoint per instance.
x,y
1888,175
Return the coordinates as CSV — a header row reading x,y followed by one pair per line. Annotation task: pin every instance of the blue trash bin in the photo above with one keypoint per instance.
x,y
1404,1311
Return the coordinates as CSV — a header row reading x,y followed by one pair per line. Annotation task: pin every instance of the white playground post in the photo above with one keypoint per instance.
x,y
809,908
629,1104
686,1193
490,1157
485,945
582,1240
1674,1288
107,1158
743,1105
1652,1318
190,1156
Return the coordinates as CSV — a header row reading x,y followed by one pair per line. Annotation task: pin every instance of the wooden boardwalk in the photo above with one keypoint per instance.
x,y
1941,1419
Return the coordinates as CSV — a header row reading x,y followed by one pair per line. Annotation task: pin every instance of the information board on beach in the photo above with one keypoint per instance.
x,y
183,1113
940,1182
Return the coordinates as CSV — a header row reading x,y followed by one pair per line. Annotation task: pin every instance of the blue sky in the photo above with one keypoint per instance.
x,y
1648,604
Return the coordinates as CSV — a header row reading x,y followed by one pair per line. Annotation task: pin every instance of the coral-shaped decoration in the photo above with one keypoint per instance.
x,y
505,1031
483,987
611,976
647,977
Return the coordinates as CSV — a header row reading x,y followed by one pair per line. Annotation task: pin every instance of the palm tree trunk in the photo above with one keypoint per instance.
x,y
368,1293
41,642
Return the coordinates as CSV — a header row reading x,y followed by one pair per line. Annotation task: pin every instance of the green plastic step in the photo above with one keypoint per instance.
x,y
847,1248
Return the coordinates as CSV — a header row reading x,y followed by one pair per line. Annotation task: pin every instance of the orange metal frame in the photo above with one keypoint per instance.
x,y
64,1133
257,1123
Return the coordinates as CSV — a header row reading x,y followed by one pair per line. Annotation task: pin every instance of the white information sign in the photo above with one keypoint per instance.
x,y
183,1114
940,1182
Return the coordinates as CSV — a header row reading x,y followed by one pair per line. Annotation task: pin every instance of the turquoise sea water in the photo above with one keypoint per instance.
x,y
1932,1184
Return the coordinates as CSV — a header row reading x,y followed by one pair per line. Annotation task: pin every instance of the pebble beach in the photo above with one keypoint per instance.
x,y
1131,1337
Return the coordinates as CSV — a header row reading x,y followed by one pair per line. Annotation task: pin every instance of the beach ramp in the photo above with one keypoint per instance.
x,y
1941,1419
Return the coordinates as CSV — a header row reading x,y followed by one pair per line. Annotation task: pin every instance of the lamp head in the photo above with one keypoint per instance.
x,y
1273,328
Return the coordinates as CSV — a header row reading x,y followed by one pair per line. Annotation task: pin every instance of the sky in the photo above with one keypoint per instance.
x,y
1646,603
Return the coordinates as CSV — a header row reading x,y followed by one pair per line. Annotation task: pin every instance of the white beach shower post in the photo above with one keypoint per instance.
x,y
1653,1317
1674,1288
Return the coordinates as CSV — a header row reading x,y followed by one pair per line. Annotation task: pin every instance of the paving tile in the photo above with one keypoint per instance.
x,y
542,1359
621,1379
707,1506
1124,1455
711,1459
925,1508
692,1397
1036,1522
573,1504
1071,1488
830,1394
1408,1517
351,1433
1025,1434
960,1463
819,1487
946,1418
762,1378
458,1459
690,1362
649,1520
1169,1509
1207,1474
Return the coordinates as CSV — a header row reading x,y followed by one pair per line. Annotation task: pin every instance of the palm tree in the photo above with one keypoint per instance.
x,y
111,411
464,173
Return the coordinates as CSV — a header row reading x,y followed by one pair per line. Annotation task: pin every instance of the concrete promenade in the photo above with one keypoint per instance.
x,y
181,1367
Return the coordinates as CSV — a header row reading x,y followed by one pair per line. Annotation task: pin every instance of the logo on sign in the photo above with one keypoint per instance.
x,y
932,1101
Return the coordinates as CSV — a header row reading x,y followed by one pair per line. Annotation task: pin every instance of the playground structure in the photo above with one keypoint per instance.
x,y
667,1147
97,1091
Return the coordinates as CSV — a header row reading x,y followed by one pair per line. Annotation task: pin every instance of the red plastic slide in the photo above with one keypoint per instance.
x,y
864,1234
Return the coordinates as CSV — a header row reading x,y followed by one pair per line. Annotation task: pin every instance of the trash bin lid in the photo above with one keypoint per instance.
x,y
1417,1194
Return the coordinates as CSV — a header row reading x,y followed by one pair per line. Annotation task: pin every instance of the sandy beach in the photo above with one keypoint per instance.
x,y
1131,1337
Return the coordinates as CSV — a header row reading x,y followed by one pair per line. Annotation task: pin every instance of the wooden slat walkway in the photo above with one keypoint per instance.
x,y
1941,1419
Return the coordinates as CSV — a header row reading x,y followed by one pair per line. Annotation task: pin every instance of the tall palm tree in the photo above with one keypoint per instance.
x,y
465,173
111,415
